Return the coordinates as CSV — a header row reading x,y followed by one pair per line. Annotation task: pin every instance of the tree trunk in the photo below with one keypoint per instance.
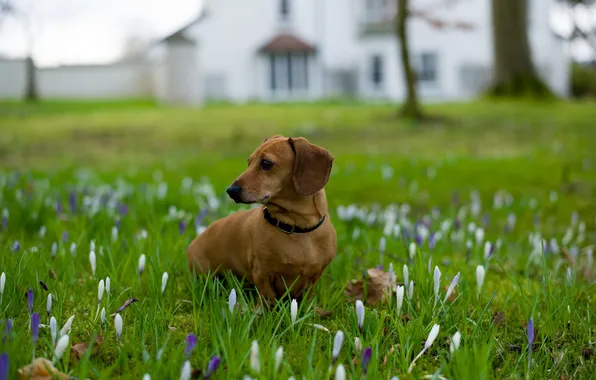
x,y
411,108
514,72
31,89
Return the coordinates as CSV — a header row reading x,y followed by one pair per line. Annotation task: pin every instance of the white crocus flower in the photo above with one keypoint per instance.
x,y
437,283
255,362
400,298
61,346
480,273
164,282
455,341
278,357
452,286
293,311
92,262
434,332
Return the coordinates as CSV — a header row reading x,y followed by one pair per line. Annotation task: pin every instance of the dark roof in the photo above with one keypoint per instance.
x,y
179,34
287,43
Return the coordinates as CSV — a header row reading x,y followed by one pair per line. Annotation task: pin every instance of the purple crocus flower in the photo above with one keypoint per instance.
x,y
123,209
380,267
72,201
366,359
30,300
418,240
35,320
4,222
7,329
4,366
182,226
58,206
127,304
212,366
43,285
431,241
16,246
64,236
485,219
191,343
531,333
200,216
456,224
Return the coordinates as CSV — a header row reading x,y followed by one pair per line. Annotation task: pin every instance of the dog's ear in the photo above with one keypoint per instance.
x,y
312,166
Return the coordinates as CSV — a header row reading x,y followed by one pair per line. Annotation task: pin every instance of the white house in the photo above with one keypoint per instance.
x,y
278,50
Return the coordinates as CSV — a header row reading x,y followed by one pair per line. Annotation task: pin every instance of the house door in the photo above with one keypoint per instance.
x,y
288,75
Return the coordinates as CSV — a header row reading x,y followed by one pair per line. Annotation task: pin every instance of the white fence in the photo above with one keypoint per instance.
x,y
113,81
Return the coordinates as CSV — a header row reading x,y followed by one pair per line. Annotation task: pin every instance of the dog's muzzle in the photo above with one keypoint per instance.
x,y
235,193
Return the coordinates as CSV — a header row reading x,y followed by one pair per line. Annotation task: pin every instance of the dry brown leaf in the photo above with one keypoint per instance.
x,y
78,350
40,369
53,274
372,289
321,313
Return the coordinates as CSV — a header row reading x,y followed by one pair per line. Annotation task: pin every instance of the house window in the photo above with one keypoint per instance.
x,y
377,71
288,72
379,10
284,10
427,68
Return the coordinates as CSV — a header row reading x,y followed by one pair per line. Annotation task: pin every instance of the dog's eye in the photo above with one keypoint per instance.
x,y
266,164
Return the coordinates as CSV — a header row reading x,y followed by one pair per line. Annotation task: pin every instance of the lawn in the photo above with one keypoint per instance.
x,y
506,189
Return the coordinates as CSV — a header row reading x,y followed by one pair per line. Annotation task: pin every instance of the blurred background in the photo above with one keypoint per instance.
x,y
131,83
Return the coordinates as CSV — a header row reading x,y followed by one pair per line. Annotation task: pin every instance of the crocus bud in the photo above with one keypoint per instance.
x,y
186,371
53,330
480,272
360,314
118,326
406,275
232,301
49,304
412,250
67,326
92,262
437,283
400,298
61,346
293,311
2,282
278,356
340,372
164,282
255,362
452,286
411,290
103,315
100,290
455,342
337,342
141,266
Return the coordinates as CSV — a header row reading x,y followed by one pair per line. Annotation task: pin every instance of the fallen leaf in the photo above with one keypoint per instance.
x,y
40,369
372,289
321,313
172,328
53,274
78,350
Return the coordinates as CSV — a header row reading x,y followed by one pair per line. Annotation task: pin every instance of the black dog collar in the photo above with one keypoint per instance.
x,y
288,228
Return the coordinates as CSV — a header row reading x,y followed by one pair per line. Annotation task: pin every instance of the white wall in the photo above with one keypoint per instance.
x,y
456,49
12,79
115,81
232,32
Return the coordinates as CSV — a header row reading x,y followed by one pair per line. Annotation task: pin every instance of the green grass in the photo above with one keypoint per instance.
x,y
127,152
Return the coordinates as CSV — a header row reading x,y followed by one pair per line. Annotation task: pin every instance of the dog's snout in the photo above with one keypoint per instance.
x,y
234,192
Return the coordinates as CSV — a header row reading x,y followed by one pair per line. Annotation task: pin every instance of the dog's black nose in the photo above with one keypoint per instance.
x,y
234,192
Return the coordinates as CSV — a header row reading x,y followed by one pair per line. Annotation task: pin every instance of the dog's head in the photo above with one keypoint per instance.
x,y
282,167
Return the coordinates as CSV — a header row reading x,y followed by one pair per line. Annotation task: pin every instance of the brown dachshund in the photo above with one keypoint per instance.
x,y
289,240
